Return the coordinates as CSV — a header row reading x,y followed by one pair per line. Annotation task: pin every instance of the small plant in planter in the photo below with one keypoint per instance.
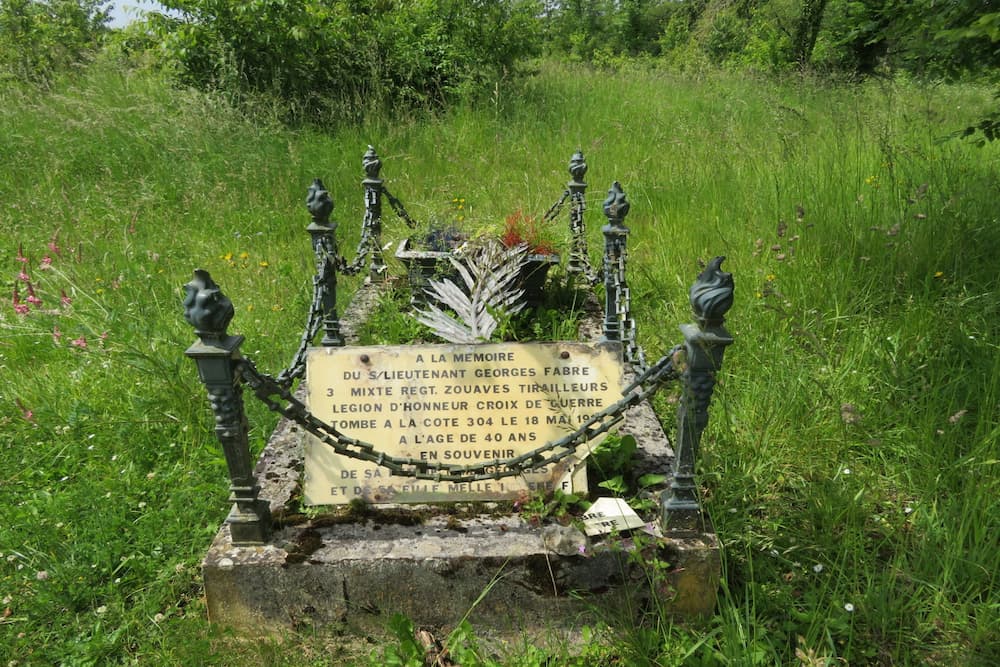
x,y
524,230
521,229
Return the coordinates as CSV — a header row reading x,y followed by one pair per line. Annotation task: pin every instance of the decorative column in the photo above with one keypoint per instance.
x,y
579,260
371,229
209,311
324,243
616,207
705,344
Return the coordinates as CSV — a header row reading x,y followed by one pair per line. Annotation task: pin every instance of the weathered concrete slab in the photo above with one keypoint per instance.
x,y
354,567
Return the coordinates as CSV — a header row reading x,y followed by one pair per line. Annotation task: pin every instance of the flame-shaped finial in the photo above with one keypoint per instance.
x,y
616,205
712,294
319,202
577,166
371,162
206,308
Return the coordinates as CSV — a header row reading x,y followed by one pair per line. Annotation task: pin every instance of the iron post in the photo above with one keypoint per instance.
x,y
322,233
579,261
616,207
372,226
705,343
217,355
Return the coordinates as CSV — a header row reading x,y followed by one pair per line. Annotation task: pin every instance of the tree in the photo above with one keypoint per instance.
x,y
807,30
39,38
348,56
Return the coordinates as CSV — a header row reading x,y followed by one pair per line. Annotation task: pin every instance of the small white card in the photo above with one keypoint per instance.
x,y
610,514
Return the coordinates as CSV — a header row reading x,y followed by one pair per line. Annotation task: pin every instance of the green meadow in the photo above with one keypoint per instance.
x,y
851,463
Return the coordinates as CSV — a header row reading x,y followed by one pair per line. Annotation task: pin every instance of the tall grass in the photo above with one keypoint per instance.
x,y
850,467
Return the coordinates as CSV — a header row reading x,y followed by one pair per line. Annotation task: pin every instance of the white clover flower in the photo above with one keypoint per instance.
x,y
849,608
817,568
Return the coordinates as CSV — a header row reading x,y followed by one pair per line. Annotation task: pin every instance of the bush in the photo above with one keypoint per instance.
x,y
347,57
40,38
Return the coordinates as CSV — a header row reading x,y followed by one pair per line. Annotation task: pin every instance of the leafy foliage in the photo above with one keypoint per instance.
x,y
927,37
39,38
347,57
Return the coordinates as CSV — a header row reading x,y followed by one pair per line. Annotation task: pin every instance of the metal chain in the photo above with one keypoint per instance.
x,y
325,261
297,368
397,206
579,255
555,208
280,399
365,245
633,354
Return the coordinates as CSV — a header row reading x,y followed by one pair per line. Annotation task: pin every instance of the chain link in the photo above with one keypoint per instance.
x,y
554,210
368,244
579,255
326,261
397,206
279,398
633,353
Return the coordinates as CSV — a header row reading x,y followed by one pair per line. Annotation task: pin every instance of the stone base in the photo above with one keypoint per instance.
x,y
506,576
354,567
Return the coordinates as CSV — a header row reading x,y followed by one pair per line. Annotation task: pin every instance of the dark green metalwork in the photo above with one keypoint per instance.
x,y
323,235
370,244
223,369
616,207
618,322
217,355
705,344
579,256
372,185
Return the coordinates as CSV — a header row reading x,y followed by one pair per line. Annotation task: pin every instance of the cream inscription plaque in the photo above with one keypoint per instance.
x,y
454,405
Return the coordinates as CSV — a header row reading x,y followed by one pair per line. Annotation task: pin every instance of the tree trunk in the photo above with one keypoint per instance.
x,y
807,30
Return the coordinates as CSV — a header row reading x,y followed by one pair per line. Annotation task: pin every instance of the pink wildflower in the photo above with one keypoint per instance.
x,y
56,335
20,254
32,299
23,276
45,264
80,342
53,246
66,301
19,308
26,413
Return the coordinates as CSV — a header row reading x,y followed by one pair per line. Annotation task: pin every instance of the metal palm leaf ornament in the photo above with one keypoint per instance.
x,y
490,273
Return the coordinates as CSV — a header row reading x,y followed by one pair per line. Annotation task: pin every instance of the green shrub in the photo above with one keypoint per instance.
x,y
347,58
39,38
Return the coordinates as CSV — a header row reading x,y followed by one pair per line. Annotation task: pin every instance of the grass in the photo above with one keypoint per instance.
x,y
851,463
